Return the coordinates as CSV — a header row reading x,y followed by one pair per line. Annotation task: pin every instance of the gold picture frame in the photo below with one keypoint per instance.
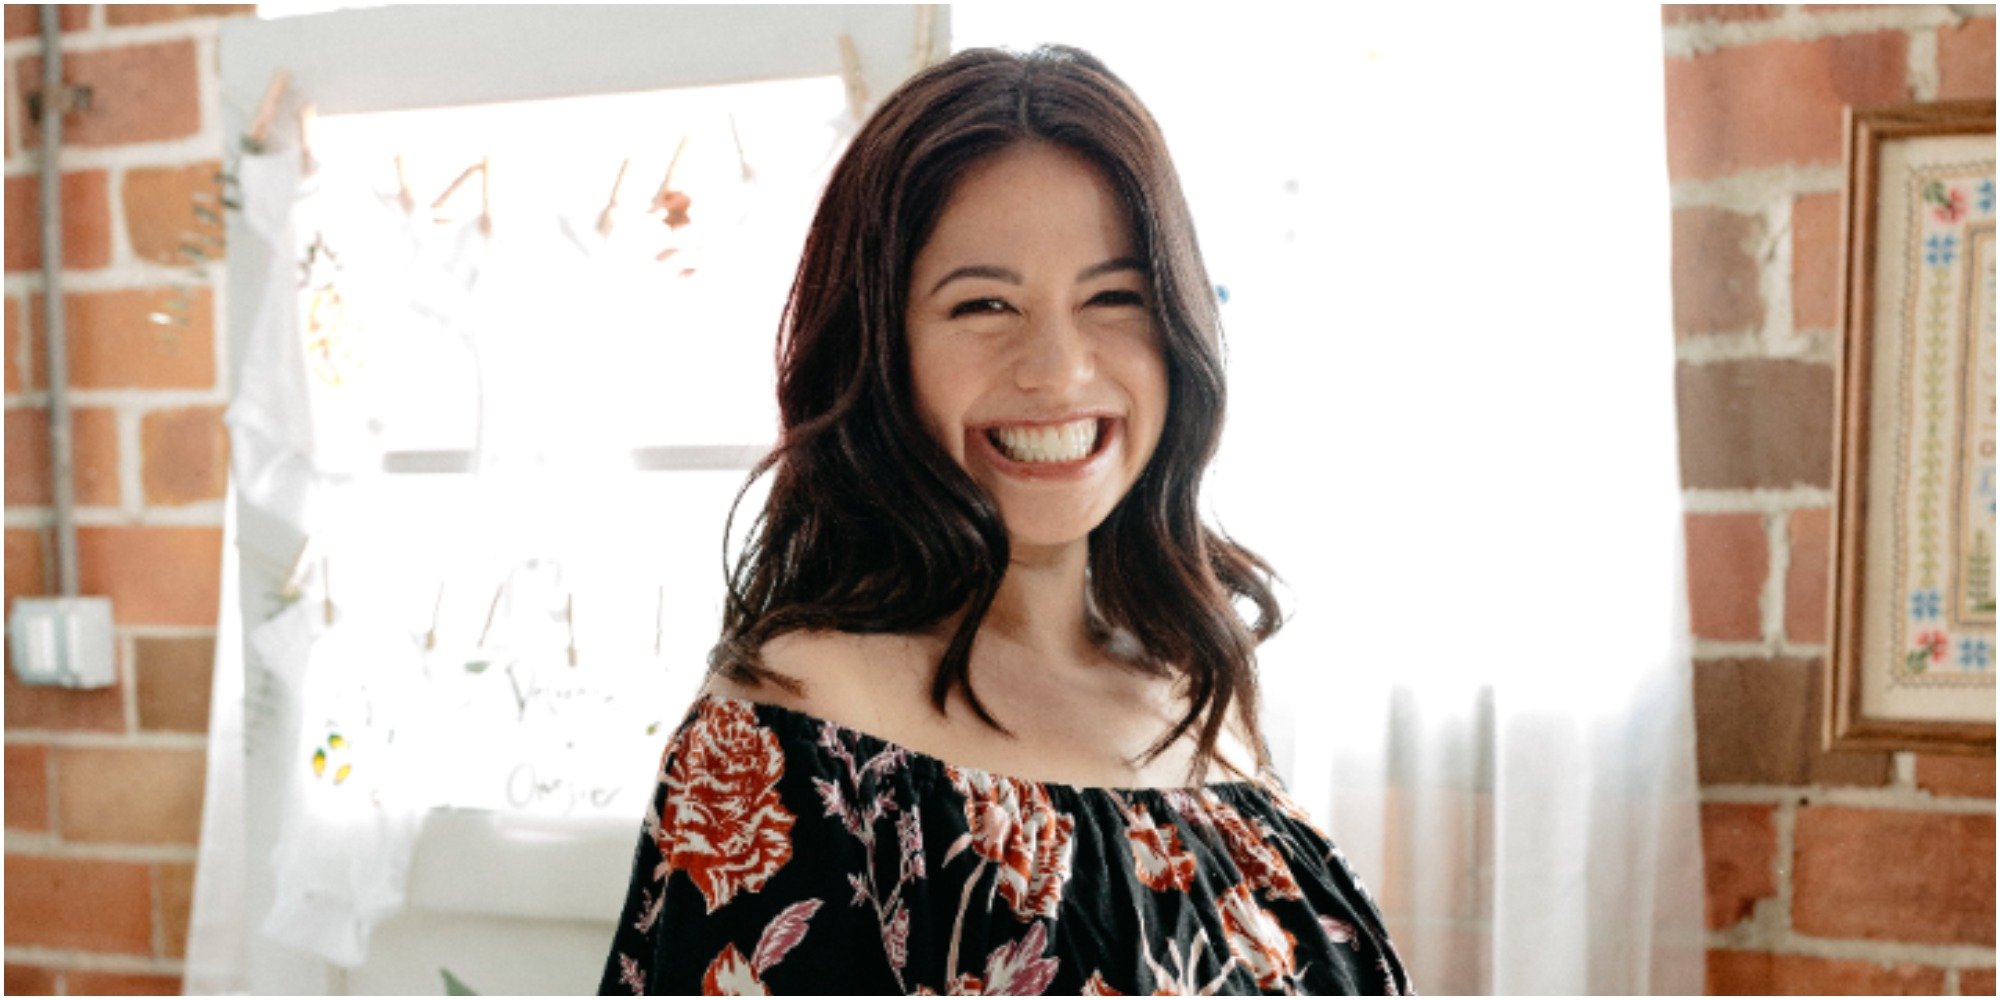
x,y
1911,657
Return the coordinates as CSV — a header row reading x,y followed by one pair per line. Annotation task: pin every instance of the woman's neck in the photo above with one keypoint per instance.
x,y
1041,611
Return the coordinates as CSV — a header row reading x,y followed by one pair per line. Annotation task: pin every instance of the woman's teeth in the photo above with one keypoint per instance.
x,y
1059,443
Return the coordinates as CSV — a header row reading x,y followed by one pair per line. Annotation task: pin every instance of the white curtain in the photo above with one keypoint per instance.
x,y
1444,247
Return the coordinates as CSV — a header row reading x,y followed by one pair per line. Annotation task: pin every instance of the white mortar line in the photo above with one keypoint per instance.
x,y
1751,190
1922,65
1682,40
206,514
1904,763
169,631
1768,501
87,740
130,490
1893,797
150,398
65,960
131,275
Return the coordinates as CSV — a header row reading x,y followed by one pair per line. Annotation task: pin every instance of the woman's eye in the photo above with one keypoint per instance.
x,y
978,307
1118,297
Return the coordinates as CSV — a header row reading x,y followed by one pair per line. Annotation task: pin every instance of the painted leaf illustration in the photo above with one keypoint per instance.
x,y
782,934
319,763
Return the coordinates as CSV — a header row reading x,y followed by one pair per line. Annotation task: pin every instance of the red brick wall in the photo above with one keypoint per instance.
x,y
1842,872
103,788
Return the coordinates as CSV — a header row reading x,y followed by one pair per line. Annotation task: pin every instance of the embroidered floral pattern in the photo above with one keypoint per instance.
x,y
724,825
1014,823
1211,903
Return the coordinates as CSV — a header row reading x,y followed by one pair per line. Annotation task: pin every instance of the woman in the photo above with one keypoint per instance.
x,y
983,717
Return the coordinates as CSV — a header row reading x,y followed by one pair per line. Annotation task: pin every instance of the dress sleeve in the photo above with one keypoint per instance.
x,y
740,884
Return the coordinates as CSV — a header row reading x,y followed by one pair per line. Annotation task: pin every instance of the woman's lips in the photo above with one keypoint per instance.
x,y
1109,430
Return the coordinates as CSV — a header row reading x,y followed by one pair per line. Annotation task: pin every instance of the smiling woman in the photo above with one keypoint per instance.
x,y
983,715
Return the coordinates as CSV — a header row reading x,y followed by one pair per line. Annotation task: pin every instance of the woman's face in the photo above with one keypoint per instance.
x,y
1033,351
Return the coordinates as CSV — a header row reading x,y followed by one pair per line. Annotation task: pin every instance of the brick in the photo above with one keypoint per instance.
x,y
145,795
1728,558
26,568
1755,424
28,980
25,20
1685,13
1757,722
115,344
117,14
154,575
1954,775
173,678
27,787
139,93
86,220
1891,875
1809,535
97,710
184,455
1774,103
93,457
1715,272
1816,255
1739,847
1975,982
1758,973
174,885
122,984
80,903
17,333
160,213
1965,60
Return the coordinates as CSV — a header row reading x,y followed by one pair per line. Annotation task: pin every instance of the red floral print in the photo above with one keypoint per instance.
x,y
1097,987
1262,865
1256,938
1157,856
723,822
1014,824
730,975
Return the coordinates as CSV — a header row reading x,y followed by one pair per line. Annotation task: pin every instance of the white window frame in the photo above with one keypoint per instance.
x,y
546,877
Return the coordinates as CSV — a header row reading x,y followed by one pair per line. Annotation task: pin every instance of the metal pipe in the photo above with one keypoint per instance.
x,y
55,103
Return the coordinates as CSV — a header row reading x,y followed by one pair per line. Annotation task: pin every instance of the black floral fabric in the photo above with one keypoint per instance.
x,y
787,854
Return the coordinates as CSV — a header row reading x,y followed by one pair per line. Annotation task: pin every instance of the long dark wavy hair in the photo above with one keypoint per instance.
x,y
871,526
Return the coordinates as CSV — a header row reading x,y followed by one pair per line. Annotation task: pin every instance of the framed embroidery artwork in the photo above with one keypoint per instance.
x,y
1911,658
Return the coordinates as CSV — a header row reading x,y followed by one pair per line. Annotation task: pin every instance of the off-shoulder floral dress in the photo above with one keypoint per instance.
x,y
787,854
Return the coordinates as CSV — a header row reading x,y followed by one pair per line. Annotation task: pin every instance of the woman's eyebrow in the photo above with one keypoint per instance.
x,y
993,271
1114,264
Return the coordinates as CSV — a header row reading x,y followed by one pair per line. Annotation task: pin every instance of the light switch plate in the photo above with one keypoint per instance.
x,y
63,641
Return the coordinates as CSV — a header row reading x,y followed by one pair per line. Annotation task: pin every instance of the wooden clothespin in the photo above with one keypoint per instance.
x,y
296,577
742,161
604,217
404,196
850,75
486,196
326,587
437,610
484,168
308,114
569,623
267,110
675,203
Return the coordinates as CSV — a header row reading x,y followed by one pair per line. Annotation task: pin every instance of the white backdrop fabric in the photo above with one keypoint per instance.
x,y
1445,252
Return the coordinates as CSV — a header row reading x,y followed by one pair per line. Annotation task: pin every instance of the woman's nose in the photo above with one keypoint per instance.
x,y
1055,353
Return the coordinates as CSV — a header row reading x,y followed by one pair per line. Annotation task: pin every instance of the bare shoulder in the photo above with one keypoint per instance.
x,y
840,676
